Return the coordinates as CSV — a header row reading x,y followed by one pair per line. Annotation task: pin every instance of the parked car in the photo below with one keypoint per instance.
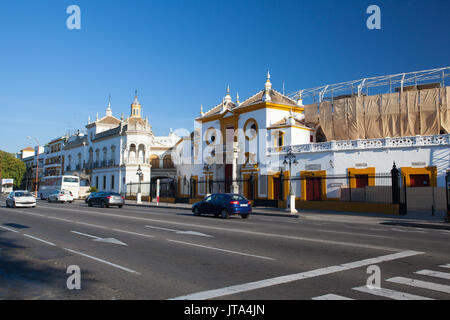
x,y
223,204
106,199
89,196
20,198
60,196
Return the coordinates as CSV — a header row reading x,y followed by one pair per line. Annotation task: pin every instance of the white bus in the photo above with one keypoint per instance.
x,y
50,184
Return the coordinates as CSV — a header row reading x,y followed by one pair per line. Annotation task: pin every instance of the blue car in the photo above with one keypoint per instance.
x,y
224,205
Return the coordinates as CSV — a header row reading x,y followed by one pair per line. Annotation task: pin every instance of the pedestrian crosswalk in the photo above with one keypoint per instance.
x,y
409,284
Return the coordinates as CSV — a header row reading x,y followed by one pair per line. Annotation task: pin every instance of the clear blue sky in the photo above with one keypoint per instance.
x,y
180,54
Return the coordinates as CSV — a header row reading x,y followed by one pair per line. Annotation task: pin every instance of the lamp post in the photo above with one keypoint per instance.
x,y
37,167
140,175
290,159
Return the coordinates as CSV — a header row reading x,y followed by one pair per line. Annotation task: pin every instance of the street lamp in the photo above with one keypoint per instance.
x,y
290,159
140,175
37,166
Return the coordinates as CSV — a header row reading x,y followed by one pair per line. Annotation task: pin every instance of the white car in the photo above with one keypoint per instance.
x,y
60,196
20,198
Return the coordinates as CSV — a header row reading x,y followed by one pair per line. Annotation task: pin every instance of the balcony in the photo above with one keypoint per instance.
x,y
365,144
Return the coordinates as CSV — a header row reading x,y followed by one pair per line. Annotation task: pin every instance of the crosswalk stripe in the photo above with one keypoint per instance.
x,y
391,294
445,266
331,297
421,284
436,274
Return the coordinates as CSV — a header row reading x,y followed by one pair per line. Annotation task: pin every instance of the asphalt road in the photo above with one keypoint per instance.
x,y
156,253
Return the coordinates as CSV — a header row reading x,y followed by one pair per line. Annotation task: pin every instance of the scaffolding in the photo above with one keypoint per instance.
x,y
377,85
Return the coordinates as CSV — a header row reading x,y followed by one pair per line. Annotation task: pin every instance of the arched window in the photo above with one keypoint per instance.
x,y
167,162
154,161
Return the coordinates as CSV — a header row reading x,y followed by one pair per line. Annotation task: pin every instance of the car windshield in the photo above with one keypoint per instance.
x,y
22,194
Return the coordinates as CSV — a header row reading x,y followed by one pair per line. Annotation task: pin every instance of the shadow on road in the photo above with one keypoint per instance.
x,y
34,273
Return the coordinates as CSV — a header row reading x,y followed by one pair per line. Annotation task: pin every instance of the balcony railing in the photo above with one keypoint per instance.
x,y
359,144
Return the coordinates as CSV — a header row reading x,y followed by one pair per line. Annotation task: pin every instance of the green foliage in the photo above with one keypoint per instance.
x,y
92,189
11,168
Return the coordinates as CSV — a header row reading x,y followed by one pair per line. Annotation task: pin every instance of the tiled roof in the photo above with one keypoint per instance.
x,y
275,96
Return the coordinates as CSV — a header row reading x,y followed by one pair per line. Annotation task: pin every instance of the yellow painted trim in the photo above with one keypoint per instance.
x,y
352,172
430,171
245,128
288,126
207,132
226,122
254,107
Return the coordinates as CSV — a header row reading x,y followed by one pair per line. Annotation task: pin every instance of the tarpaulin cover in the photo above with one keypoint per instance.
x,y
340,123
428,111
445,109
409,113
326,119
312,114
372,118
390,114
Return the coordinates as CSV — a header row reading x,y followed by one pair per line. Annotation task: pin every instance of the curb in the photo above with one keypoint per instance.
x,y
417,225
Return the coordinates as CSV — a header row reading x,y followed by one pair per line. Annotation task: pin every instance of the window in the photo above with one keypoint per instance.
x,y
419,180
112,182
104,182
362,180
96,182
250,129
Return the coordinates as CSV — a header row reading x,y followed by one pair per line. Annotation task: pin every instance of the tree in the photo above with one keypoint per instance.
x,y
11,168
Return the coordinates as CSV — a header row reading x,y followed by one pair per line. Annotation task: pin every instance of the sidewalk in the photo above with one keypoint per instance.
x,y
418,219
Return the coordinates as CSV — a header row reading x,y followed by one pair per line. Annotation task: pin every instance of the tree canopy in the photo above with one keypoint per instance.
x,y
11,168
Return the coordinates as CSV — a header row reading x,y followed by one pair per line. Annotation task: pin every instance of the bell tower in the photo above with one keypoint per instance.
x,y
135,107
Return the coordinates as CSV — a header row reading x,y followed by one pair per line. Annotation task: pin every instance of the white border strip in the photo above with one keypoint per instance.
x,y
38,239
103,261
210,294
223,250
391,294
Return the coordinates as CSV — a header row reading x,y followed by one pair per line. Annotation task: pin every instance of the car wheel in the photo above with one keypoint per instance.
x,y
104,205
7,204
120,206
14,204
89,203
224,214
244,216
42,197
196,211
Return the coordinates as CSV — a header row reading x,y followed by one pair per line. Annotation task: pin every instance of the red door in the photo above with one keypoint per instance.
x,y
277,188
362,180
313,189
419,180
228,177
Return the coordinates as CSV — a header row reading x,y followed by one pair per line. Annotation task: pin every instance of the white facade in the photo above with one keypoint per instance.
x,y
109,154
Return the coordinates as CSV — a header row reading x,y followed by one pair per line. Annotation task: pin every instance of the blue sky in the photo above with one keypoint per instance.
x,y
180,54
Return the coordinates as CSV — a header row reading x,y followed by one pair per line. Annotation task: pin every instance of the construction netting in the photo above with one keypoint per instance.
x,y
400,114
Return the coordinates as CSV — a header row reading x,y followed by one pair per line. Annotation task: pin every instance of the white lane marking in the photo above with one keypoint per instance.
x,y
391,294
354,234
445,266
331,297
100,239
341,243
412,231
84,234
436,274
134,233
421,284
219,249
38,239
9,229
193,233
209,294
103,261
